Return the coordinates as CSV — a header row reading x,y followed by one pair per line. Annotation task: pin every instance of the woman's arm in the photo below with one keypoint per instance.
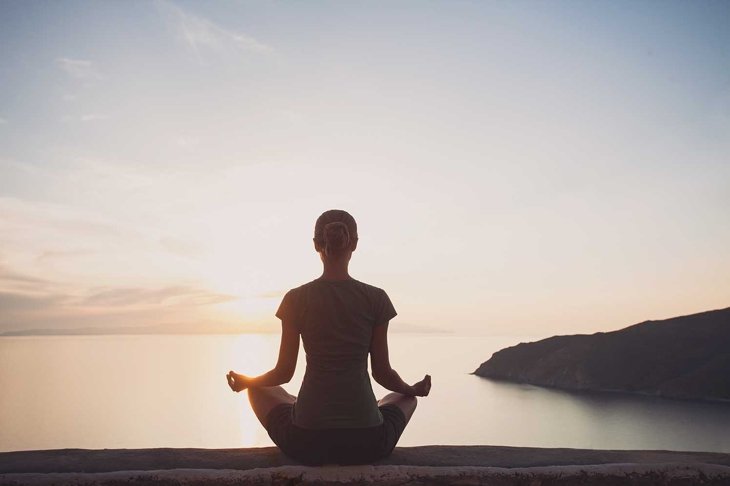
x,y
285,365
384,374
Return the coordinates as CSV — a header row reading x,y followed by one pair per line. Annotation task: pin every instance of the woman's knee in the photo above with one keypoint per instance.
x,y
264,399
269,394
406,403
395,398
255,395
410,403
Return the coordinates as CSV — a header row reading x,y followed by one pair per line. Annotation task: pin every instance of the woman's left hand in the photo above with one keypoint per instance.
x,y
237,382
423,387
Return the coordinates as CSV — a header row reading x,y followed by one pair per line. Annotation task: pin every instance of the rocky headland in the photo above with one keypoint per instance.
x,y
685,357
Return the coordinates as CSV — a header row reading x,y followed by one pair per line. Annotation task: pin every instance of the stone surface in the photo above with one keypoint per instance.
x,y
106,460
427,465
684,357
614,475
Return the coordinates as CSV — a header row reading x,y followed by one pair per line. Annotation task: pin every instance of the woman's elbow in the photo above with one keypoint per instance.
x,y
285,374
381,374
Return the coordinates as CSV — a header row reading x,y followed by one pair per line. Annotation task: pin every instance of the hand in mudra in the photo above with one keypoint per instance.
x,y
422,388
237,382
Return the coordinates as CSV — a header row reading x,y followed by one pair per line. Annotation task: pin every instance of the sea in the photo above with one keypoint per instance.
x,y
142,391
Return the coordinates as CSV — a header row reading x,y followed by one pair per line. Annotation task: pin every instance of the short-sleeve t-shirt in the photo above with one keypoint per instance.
x,y
336,319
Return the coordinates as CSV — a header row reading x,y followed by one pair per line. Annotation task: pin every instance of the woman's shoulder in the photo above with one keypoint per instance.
x,y
359,284
380,301
368,286
294,291
319,284
372,291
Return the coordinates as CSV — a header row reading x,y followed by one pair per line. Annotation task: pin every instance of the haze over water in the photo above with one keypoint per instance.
x,y
126,391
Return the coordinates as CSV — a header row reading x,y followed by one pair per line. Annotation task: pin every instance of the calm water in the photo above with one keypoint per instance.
x,y
170,391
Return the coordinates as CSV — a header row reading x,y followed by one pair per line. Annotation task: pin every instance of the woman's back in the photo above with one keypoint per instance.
x,y
336,319
341,321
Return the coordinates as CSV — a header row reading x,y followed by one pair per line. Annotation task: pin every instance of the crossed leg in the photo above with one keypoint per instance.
x,y
406,404
264,399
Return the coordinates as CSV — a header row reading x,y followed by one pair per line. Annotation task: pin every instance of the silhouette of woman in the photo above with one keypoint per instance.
x,y
335,419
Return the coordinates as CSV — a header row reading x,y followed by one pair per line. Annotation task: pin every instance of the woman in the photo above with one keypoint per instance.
x,y
335,419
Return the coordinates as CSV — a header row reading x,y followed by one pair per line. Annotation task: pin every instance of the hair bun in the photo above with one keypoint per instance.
x,y
336,237
335,232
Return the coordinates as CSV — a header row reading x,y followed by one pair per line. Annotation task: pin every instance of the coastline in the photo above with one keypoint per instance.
x,y
407,465
609,391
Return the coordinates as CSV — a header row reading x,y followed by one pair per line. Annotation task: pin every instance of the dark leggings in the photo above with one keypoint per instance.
x,y
315,447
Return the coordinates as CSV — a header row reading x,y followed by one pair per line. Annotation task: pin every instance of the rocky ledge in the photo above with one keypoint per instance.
x,y
429,465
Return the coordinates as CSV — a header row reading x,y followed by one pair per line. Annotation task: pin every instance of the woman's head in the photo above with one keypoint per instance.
x,y
335,233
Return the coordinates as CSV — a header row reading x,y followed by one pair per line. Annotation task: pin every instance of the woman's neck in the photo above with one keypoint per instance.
x,y
335,271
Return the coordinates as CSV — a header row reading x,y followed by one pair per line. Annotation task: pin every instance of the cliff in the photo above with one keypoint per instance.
x,y
683,357
427,465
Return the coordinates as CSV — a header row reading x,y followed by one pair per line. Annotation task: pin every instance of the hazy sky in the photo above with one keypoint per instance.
x,y
516,167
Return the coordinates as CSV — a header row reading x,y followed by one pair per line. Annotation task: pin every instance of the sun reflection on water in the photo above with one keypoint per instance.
x,y
251,354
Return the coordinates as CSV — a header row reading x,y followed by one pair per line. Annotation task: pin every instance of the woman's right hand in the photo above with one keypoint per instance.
x,y
422,388
237,382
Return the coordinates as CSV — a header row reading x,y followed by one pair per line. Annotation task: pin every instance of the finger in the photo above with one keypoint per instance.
x,y
428,384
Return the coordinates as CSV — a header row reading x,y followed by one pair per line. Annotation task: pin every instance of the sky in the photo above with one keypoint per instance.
x,y
515,168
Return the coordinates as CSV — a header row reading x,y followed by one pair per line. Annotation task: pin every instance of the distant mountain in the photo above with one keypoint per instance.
x,y
186,328
178,328
683,357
